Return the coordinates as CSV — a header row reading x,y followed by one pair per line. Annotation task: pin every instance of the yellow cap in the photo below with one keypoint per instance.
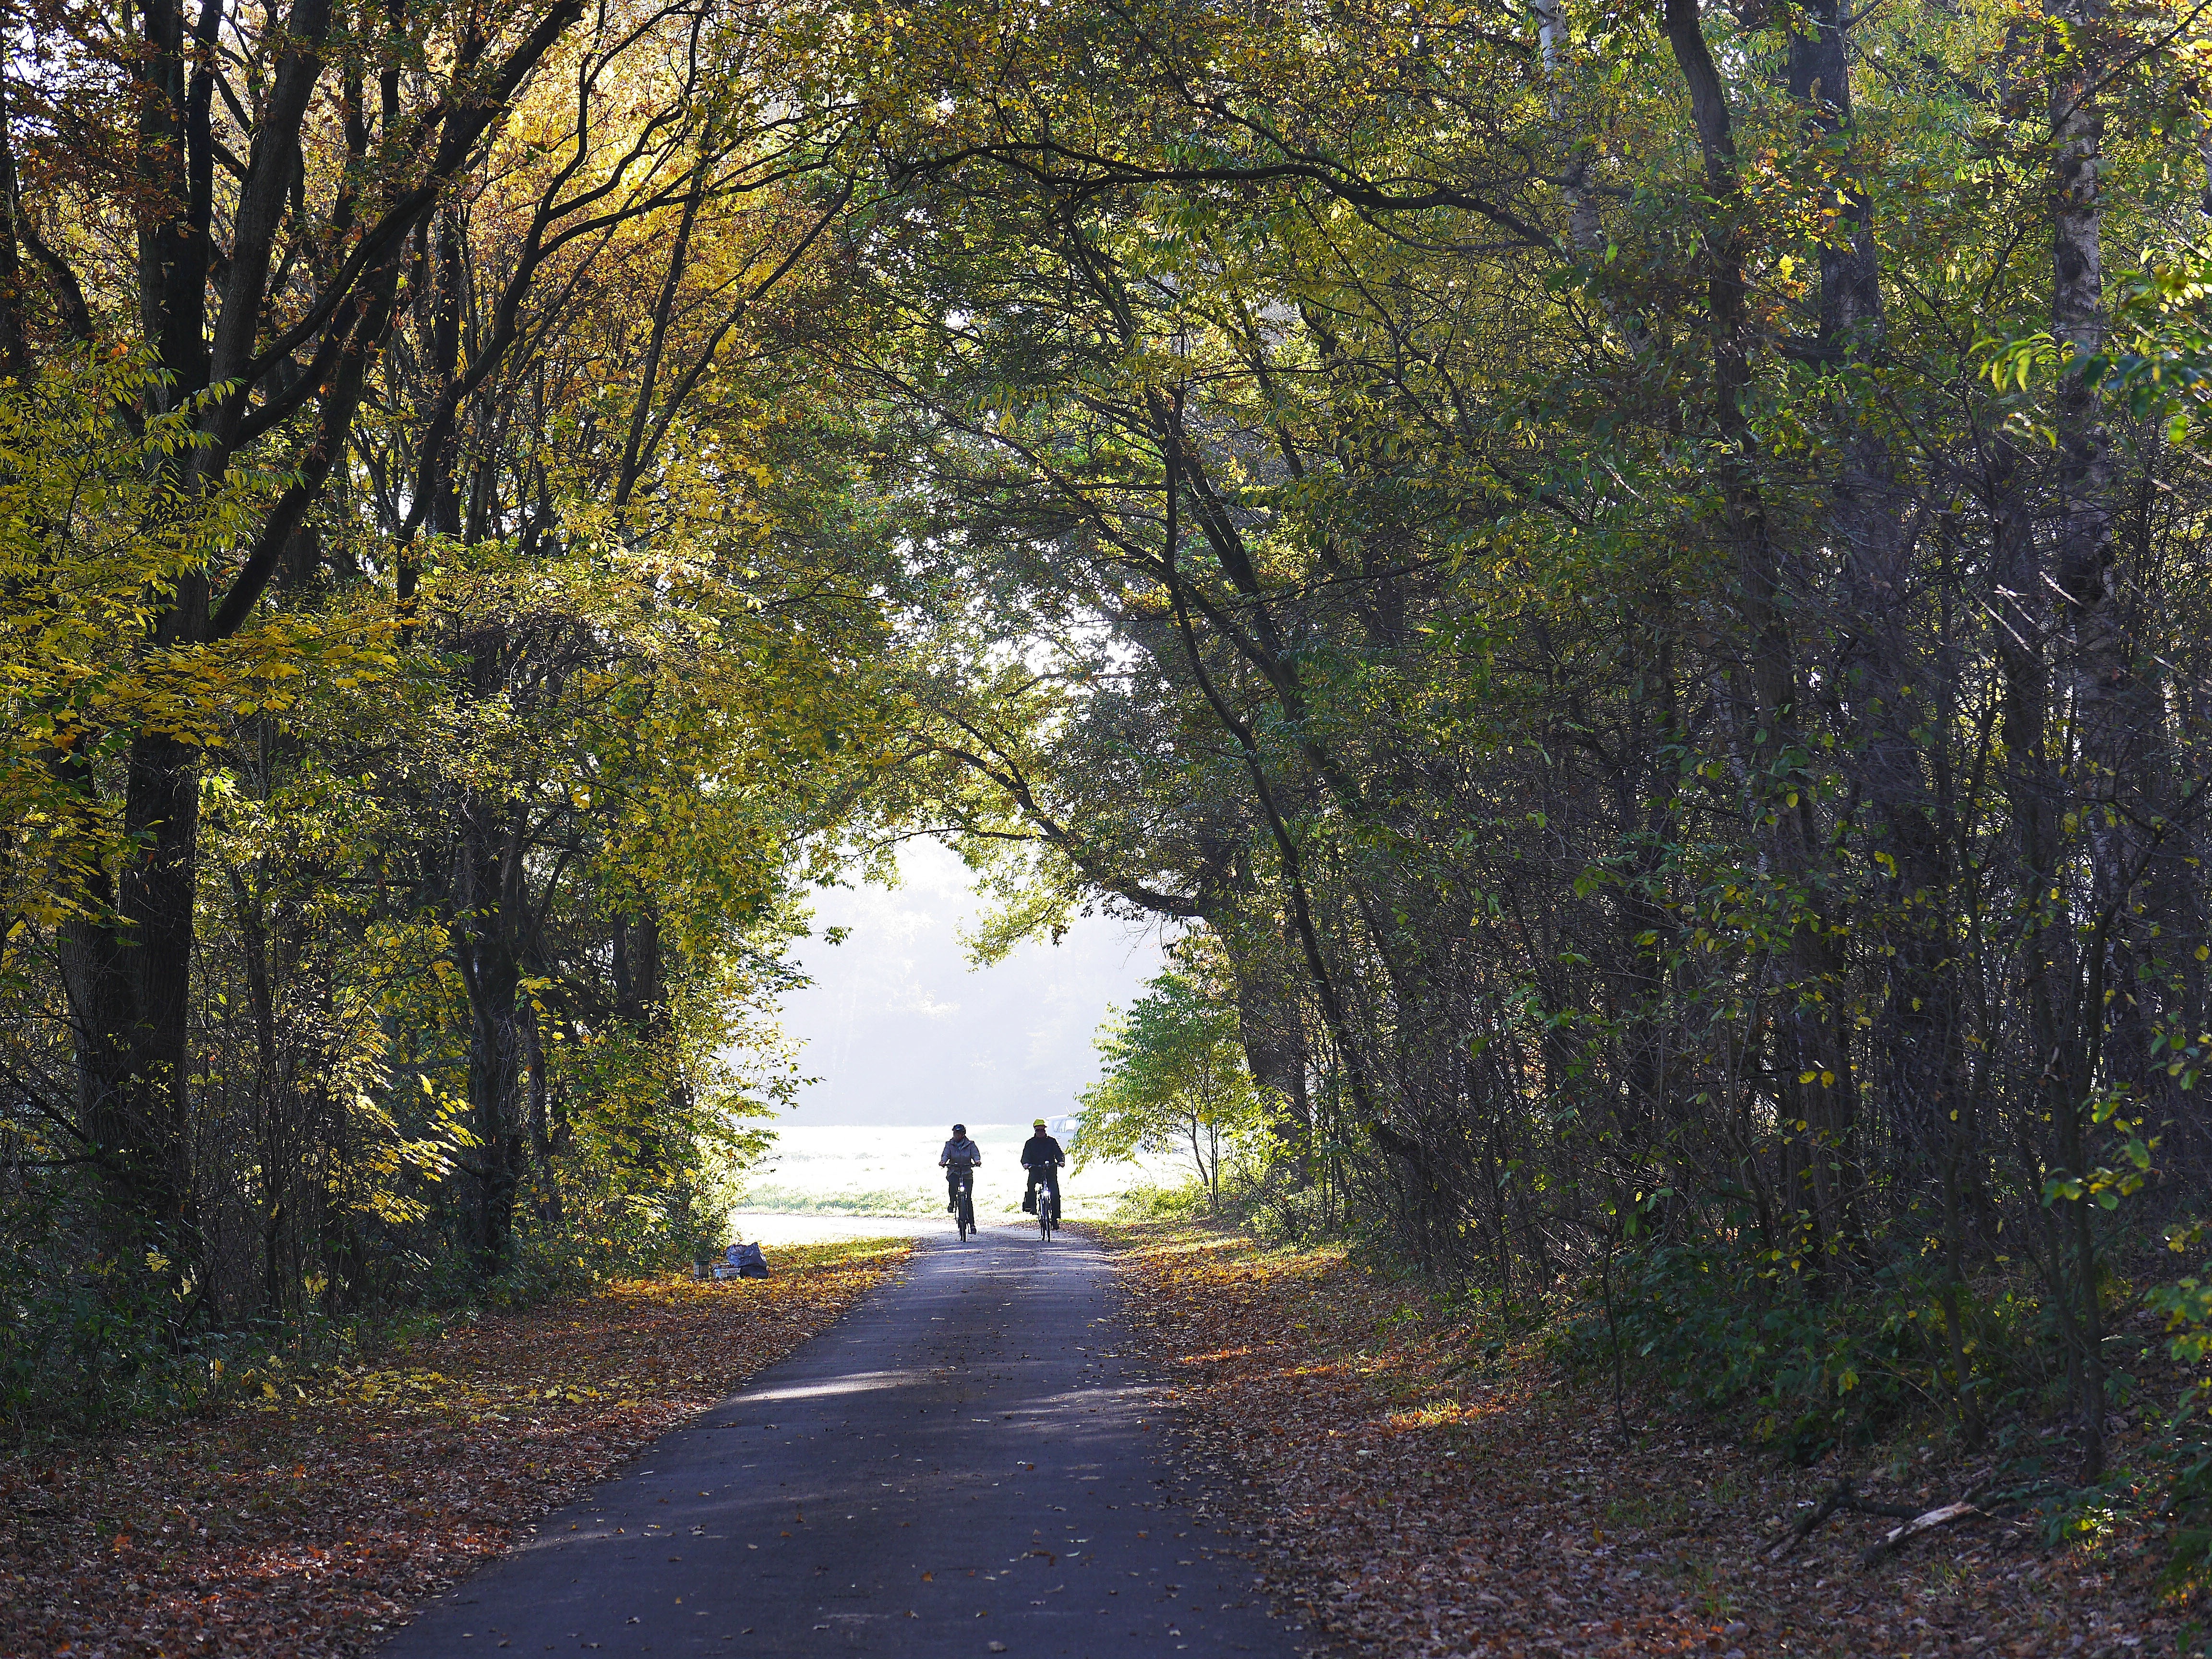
x,y
1039,1124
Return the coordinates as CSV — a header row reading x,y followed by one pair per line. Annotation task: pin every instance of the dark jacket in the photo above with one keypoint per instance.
x,y
1041,1152
962,1151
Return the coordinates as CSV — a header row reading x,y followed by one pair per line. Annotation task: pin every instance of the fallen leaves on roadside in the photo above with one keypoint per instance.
x,y
1415,1500
309,1521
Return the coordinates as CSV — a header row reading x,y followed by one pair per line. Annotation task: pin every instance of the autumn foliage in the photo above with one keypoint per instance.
x,y
1429,1483
315,1515
1634,580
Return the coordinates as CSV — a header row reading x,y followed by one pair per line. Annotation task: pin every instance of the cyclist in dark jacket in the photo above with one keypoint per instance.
x,y
958,1161
1042,1157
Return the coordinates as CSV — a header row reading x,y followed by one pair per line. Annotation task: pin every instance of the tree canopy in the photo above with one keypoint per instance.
x,y
1636,577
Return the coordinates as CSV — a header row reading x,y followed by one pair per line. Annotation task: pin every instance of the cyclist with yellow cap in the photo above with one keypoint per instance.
x,y
1042,1157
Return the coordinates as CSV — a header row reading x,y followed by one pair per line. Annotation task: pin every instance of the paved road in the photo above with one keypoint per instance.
x,y
962,1467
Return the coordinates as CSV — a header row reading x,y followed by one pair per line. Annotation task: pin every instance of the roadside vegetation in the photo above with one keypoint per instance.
x,y
1628,587
310,1511
1429,1475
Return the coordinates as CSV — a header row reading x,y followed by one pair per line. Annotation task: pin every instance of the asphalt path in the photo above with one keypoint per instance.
x,y
968,1464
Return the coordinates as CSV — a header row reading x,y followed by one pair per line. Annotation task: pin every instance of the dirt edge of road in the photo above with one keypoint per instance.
x,y
1414,1502
309,1524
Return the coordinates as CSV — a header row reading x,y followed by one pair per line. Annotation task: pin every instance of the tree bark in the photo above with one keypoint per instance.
x,y
488,856
1816,1091
2098,670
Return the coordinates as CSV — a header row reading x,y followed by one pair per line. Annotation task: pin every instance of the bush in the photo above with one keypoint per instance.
x,y
1816,1372
1146,1201
1283,1214
102,1345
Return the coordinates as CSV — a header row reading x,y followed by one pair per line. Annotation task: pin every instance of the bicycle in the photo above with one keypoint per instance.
x,y
1047,1212
964,1182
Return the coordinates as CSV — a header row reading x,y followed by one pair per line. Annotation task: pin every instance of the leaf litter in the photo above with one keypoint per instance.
x,y
313,1519
1415,1495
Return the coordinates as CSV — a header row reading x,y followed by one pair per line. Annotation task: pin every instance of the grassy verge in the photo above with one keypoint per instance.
x,y
310,1522
1429,1485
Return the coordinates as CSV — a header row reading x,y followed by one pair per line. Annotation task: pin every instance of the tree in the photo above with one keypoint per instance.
x,y
1583,544
504,640
1174,1081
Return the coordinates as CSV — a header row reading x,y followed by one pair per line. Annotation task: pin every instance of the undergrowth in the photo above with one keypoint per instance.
x,y
93,1343
1864,1376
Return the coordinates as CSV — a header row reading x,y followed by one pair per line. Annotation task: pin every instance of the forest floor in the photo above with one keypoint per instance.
x,y
309,1522
1414,1502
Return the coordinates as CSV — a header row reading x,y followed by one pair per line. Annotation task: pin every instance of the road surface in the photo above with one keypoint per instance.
x,y
964,1466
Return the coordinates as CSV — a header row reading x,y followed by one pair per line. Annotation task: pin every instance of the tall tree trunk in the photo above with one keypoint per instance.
x,y
1816,1094
1889,689
130,975
1271,1027
488,856
2098,670
1585,230
14,332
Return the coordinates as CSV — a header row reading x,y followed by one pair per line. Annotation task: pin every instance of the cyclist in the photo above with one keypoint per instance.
x,y
1042,1157
958,1161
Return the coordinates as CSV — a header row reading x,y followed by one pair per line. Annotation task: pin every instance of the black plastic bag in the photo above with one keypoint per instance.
x,y
749,1260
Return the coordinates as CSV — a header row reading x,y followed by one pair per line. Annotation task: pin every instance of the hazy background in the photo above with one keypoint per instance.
x,y
899,1031
904,1041
877,1170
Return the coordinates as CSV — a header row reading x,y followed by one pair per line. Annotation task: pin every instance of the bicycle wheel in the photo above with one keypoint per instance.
x,y
967,1213
1044,1216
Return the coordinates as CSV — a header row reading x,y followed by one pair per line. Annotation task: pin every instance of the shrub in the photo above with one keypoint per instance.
x,y
1814,1372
